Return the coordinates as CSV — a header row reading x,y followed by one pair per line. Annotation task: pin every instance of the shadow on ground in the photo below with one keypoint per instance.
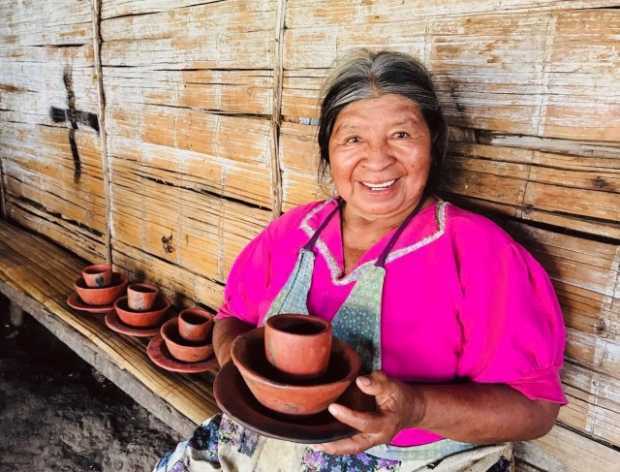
x,y
58,414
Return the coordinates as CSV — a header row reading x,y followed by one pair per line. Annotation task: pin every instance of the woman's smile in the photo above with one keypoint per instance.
x,y
380,157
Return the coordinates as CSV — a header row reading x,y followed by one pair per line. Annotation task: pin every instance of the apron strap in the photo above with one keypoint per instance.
x,y
310,244
388,248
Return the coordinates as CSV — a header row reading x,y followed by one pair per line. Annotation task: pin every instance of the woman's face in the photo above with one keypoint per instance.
x,y
380,156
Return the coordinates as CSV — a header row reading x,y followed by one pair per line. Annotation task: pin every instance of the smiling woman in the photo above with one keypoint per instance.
x,y
458,327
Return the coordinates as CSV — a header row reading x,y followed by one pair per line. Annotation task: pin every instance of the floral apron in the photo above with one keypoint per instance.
x,y
224,445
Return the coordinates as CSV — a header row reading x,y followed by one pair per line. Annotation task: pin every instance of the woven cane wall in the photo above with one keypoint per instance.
x,y
165,134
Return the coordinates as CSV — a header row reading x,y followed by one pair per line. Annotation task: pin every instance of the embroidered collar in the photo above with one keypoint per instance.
x,y
440,217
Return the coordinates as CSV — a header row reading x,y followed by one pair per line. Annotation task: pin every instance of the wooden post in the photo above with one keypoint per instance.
x,y
103,137
276,175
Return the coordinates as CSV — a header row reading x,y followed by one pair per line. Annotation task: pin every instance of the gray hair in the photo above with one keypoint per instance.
x,y
365,74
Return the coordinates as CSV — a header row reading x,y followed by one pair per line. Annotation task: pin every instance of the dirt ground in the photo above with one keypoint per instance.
x,y
58,414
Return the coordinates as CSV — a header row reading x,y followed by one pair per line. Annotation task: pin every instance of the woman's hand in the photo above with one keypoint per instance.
x,y
224,333
397,408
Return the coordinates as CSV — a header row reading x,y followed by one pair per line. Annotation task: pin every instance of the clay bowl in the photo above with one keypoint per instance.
x,y
103,295
141,319
141,296
281,393
97,275
182,349
195,324
298,345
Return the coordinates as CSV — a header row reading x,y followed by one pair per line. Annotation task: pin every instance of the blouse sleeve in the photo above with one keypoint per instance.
x,y
248,282
512,323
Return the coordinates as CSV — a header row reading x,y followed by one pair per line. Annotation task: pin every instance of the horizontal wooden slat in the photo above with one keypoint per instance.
x,y
230,34
565,450
593,403
230,91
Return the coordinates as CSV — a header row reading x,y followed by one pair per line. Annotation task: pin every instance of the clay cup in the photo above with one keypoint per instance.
x,y
298,345
195,324
97,275
140,297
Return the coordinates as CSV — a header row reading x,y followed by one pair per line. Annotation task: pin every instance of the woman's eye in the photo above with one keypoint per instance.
x,y
401,134
352,140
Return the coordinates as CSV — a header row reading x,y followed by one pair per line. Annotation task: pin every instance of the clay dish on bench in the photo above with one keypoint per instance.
x,y
101,295
142,319
182,349
195,324
97,275
281,393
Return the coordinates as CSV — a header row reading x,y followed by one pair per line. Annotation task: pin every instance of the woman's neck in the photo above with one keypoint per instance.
x,y
361,233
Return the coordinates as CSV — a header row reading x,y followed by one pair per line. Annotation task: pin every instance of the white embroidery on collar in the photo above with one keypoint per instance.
x,y
440,217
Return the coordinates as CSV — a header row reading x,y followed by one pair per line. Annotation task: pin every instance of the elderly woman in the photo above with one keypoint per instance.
x,y
456,323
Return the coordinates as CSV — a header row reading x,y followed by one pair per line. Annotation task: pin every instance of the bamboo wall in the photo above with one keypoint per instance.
x,y
166,134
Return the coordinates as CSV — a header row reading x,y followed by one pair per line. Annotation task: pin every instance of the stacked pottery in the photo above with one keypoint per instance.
x,y
99,285
188,336
143,307
294,365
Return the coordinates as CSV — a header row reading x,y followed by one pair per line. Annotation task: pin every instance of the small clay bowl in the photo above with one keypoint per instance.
x,y
141,297
181,349
97,275
298,345
279,392
195,324
104,295
141,319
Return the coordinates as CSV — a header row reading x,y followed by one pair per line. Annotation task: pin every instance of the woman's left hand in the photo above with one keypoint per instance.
x,y
397,408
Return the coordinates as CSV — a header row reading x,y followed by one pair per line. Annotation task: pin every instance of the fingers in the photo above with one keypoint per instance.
x,y
352,445
374,384
361,421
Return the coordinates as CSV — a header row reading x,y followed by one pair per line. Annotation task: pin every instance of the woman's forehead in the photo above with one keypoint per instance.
x,y
390,110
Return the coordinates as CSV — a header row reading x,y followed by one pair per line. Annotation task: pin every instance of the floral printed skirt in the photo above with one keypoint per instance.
x,y
220,444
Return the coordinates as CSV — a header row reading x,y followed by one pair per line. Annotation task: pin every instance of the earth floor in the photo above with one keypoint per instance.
x,y
58,414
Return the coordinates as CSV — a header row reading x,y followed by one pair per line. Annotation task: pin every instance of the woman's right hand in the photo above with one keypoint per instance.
x,y
224,333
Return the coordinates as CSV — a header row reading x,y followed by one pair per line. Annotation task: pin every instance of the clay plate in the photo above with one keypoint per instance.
x,y
159,355
75,302
113,322
235,399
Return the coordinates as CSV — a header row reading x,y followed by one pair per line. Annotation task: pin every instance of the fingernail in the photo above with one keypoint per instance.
x,y
363,381
333,409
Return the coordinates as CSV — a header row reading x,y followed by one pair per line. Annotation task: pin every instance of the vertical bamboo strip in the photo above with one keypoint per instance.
x,y
276,172
103,137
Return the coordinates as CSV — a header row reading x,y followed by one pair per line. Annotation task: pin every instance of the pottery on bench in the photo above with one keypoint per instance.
x,y
97,275
141,296
182,349
142,319
99,296
195,324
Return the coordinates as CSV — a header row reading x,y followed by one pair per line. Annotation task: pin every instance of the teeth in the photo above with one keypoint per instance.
x,y
381,186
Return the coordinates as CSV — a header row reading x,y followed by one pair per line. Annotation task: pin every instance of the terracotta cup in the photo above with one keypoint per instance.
x,y
298,345
195,324
140,297
97,275
181,349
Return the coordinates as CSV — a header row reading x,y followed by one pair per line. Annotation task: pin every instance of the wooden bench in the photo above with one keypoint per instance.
x,y
37,276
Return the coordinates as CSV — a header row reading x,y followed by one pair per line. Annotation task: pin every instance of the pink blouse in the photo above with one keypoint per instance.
x,y
461,299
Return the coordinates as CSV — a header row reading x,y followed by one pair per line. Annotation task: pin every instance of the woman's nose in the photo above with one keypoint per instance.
x,y
378,157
